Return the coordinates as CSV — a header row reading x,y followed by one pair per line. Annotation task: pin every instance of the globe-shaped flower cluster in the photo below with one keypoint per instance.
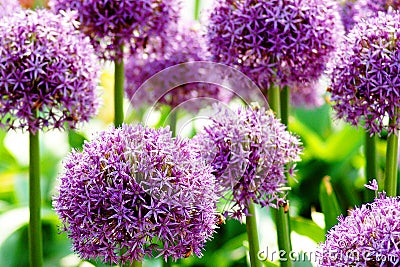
x,y
8,7
365,84
275,42
48,72
368,236
251,152
135,191
184,44
112,23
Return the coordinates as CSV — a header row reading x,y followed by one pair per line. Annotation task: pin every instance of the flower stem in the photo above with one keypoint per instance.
x,y
282,218
370,166
284,98
274,100
35,224
119,76
197,9
173,119
252,234
167,263
391,162
136,264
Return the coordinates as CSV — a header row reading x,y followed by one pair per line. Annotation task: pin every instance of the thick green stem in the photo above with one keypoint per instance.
x,y
173,119
391,163
119,92
38,3
274,100
279,103
370,166
136,264
284,98
35,224
283,230
167,263
252,234
197,9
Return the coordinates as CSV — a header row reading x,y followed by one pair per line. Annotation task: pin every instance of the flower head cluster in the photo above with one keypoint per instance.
x,y
48,73
185,44
275,42
250,151
365,81
368,236
8,7
111,23
136,191
349,11
308,94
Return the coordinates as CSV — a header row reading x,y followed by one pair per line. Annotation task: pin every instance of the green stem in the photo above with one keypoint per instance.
x,y
279,103
274,100
119,92
35,224
284,98
283,230
197,9
391,162
173,119
38,4
167,263
136,264
252,234
370,166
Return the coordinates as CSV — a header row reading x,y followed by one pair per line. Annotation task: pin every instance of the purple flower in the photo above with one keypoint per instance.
x,y
372,185
111,24
278,42
368,236
308,94
8,7
47,67
184,44
135,192
365,74
250,152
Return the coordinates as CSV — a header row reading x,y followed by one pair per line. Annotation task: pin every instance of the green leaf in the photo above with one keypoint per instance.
x,y
307,228
329,203
75,139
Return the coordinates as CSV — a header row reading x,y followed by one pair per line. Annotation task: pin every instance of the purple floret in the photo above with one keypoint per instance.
x,y
251,152
281,42
7,7
365,81
47,67
368,236
111,23
135,192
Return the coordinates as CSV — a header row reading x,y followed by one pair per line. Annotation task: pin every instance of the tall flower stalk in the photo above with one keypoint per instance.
x,y
364,84
250,151
119,78
49,81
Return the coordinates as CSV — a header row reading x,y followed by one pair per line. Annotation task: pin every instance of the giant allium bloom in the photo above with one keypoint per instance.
x,y
368,236
112,23
365,83
250,152
136,191
8,7
184,44
277,41
47,67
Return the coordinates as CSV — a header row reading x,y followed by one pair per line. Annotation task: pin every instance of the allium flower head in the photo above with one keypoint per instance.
x,y
135,191
365,83
46,67
8,7
368,236
112,23
250,151
184,44
277,41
